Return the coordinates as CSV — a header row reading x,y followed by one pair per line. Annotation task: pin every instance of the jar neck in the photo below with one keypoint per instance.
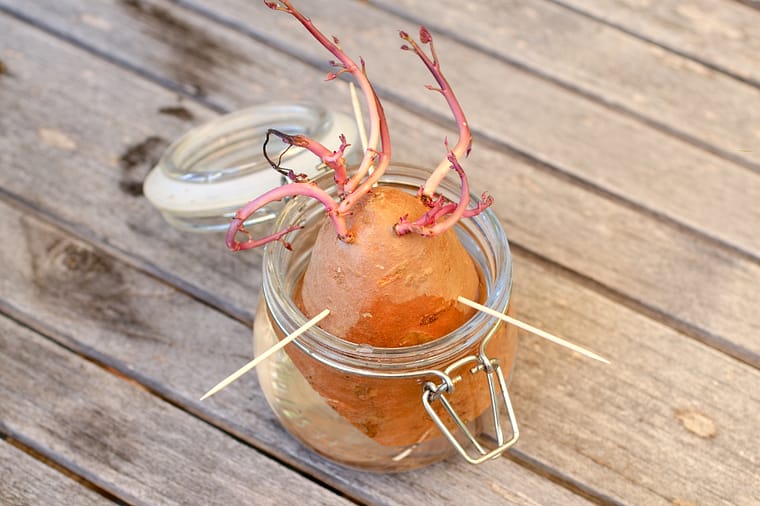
x,y
230,146
482,236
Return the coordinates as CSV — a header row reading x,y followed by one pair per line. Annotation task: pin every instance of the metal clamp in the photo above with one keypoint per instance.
x,y
491,368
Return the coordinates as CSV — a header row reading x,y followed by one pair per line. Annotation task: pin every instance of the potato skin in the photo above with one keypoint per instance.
x,y
383,289
390,411
389,291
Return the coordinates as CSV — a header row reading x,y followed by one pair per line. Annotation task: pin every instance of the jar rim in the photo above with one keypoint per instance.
x,y
483,230
212,170
186,159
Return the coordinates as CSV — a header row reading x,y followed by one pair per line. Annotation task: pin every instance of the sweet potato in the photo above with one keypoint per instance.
x,y
387,290
387,264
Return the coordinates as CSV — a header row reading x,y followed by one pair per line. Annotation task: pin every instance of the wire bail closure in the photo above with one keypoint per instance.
x,y
476,453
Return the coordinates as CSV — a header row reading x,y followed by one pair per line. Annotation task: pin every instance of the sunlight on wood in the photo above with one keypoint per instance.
x,y
533,330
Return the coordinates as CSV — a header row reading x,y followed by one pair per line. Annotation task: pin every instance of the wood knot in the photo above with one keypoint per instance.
x,y
63,266
66,260
74,258
697,423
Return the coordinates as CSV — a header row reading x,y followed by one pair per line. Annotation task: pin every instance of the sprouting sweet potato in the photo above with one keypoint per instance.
x,y
387,264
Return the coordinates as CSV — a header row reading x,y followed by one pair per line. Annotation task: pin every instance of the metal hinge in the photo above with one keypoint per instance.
x,y
476,452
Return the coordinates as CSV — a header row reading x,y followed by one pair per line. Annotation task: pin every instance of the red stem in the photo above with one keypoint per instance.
x,y
279,193
442,215
429,224
384,159
361,78
333,159
463,145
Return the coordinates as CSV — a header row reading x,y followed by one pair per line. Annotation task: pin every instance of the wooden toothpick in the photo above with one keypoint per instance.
x,y
532,329
256,361
358,116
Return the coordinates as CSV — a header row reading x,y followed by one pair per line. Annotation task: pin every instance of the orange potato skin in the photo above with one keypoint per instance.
x,y
390,411
390,291
387,290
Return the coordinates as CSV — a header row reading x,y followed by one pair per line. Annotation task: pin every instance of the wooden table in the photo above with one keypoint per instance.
x,y
621,140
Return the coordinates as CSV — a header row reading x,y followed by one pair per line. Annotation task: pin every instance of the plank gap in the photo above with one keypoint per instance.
x,y
436,118
114,60
596,98
136,380
229,428
220,423
685,54
144,265
555,476
755,4
47,457
488,140
246,317
558,172
563,175
717,343
106,239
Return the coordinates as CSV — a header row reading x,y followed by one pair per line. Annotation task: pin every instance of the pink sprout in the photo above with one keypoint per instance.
x,y
442,214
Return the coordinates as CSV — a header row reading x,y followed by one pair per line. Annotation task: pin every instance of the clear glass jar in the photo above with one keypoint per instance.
x,y
376,408
210,172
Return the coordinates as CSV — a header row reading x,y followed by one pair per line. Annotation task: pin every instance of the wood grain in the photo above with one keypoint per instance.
x,y
108,153
27,481
723,34
512,108
658,420
656,265
577,137
672,92
180,347
633,431
638,432
665,271
133,444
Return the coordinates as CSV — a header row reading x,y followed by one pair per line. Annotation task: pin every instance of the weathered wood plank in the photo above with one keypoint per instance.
x,y
656,265
572,134
635,466
27,481
662,395
131,443
723,34
645,430
181,347
676,94
110,152
751,3
609,151
622,486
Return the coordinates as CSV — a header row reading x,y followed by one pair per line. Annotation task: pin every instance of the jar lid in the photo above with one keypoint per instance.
x,y
206,175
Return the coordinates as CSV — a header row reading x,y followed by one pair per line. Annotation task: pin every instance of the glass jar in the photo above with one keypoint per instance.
x,y
389,409
210,172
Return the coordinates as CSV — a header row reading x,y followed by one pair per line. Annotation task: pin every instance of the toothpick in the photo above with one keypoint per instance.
x,y
358,116
256,361
532,329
